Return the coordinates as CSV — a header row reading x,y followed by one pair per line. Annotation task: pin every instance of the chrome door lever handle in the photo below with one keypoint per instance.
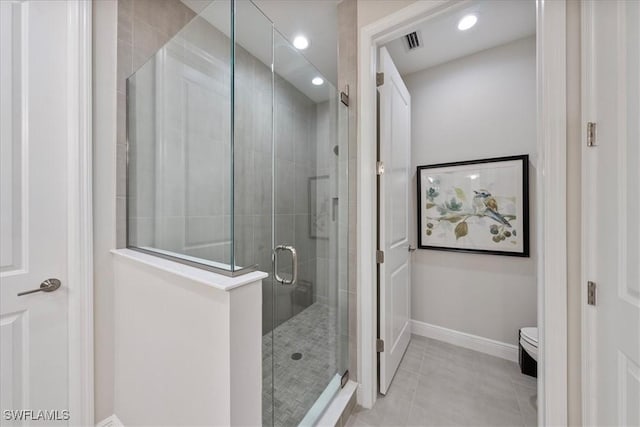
x,y
48,285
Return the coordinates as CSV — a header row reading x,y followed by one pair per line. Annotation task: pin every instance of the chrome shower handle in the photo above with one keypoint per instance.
x,y
294,266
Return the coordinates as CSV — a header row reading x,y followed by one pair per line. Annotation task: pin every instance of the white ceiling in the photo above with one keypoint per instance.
x,y
315,19
499,22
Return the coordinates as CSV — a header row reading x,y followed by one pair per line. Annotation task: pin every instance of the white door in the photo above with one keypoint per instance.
x,y
33,235
393,235
612,212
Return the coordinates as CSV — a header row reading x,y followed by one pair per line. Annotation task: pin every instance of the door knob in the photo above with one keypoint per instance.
x,y
48,285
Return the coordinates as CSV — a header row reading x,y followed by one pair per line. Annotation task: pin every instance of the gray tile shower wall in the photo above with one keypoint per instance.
x,y
297,122
143,27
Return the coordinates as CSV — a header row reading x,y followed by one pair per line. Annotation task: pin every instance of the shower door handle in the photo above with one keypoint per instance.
x,y
294,264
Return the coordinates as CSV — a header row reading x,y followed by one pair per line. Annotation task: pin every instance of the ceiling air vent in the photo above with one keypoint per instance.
x,y
413,41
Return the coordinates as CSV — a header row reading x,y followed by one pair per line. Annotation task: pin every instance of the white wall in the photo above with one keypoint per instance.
x,y
188,344
105,21
479,106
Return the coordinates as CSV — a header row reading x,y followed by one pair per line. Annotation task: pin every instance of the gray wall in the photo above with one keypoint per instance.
x,y
479,106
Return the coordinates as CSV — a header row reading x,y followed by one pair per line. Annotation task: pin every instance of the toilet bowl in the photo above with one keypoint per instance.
x,y
529,341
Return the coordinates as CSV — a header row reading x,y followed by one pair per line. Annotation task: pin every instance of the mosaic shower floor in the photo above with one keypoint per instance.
x,y
293,384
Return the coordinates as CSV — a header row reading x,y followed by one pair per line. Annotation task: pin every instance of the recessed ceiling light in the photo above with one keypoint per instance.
x,y
317,81
467,22
301,42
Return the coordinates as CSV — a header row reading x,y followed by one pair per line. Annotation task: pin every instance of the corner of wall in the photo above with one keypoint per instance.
x,y
105,16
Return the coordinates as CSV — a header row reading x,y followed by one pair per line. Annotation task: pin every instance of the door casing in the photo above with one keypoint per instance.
x,y
79,201
80,209
550,184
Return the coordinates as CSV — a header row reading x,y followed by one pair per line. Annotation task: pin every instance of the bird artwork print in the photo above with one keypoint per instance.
x,y
484,203
455,209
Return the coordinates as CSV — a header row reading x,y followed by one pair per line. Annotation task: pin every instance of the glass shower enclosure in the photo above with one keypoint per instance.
x,y
237,162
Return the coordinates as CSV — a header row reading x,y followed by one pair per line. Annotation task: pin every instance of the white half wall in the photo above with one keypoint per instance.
x,y
188,344
476,107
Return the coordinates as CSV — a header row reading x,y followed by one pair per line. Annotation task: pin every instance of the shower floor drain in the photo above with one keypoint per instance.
x,y
296,356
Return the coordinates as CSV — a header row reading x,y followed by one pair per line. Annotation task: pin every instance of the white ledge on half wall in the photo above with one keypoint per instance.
x,y
205,277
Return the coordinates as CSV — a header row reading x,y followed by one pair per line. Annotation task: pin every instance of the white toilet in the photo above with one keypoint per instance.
x,y
528,351
529,341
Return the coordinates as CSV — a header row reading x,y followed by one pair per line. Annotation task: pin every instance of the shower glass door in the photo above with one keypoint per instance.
x,y
308,291
290,213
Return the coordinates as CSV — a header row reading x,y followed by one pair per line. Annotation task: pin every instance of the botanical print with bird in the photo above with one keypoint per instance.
x,y
460,209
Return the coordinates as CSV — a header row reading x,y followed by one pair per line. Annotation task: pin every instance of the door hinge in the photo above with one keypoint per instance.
x,y
591,134
379,168
379,79
344,98
379,345
379,257
591,293
344,379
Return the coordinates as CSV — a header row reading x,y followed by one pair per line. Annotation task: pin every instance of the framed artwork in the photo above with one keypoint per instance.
x,y
319,207
477,206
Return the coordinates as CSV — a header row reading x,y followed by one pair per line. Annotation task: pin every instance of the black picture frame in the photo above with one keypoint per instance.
x,y
480,209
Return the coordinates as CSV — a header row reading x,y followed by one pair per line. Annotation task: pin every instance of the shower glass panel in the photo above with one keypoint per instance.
x,y
252,137
238,161
180,146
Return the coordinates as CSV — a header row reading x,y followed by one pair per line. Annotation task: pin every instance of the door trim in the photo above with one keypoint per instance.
x,y
551,211
588,314
80,212
551,184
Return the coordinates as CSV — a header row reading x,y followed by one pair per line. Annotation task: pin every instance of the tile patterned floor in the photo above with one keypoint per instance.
x,y
440,384
298,383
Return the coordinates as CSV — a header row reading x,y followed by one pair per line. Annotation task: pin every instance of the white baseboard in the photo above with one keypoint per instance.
x,y
112,421
462,339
